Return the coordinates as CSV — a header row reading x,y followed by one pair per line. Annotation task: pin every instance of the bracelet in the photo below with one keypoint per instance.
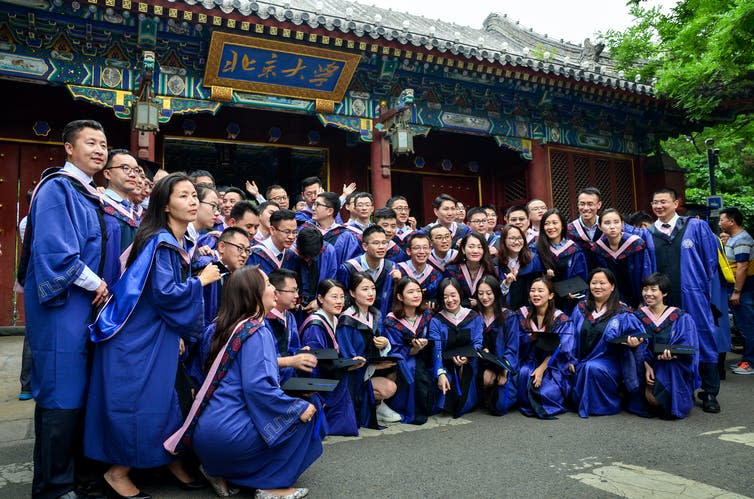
x,y
736,290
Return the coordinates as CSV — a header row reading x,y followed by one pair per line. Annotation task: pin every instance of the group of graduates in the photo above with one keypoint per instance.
x,y
236,334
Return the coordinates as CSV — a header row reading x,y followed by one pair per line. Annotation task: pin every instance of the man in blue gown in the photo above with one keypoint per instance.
x,y
686,251
273,251
62,286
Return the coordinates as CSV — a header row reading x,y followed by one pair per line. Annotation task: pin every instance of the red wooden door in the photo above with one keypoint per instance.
x,y
465,189
20,169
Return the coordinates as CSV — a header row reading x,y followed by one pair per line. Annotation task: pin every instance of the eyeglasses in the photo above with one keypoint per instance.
x,y
446,237
288,233
277,199
401,209
538,208
128,170
294,291
419,248
317,203
379,243
478,221
244,250
214,206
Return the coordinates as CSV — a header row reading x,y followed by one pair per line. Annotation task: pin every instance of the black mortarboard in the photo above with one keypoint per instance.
x,y
674,349
308,385
322,353
496,361
624,338
386,358
465,351
573,285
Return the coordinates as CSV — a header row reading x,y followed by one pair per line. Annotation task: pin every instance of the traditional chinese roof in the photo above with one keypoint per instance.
x,y
500,40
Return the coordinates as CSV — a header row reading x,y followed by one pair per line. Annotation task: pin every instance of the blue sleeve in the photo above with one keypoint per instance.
x,y
566,334
315,338
328,263
506,344
437,336
294,342
343,275
477,332
398,346
180,304
578,266
350,341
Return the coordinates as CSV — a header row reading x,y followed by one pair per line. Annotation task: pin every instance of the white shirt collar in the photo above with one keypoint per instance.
x,y
271,246
671,222
76,172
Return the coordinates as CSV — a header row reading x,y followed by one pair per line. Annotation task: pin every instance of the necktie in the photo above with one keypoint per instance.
x,y
665,226
280,257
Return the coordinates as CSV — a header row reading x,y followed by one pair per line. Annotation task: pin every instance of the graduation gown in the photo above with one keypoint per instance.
x,y
120,227
602,368
66,227
250,432
429,279
461,273
631,263
383,284
518,293
501,340
693,266
345,242
448,333
441,264
395,253
457,231
133,404
317,333
416,391
309,272
355,335
576,233
285,333
569,262
268,261
551,397
676,379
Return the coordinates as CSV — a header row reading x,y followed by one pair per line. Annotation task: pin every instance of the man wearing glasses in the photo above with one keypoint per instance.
x,y
270,254
442,253
121,174
418,248
275,193
374,243
585,230
536,209
406,224
232,251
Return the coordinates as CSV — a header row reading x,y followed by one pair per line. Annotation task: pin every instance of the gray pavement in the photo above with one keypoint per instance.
x,y
479,455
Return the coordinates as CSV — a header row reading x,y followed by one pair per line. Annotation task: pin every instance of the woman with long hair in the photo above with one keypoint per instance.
x,y
359,334
625,254
472,262
498,383
138,395
600,365
247,429
561,258
543,376
669,379
406,328
318,332
454,327
517,266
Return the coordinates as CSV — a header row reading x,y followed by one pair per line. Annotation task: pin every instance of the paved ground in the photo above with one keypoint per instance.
x,y
483,456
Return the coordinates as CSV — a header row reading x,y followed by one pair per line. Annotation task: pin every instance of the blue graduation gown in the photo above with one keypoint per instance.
x,y
468,284
250,432
550,400
457,234
576,233
66,236
383,284
311,271
601,371
346,243
266,260
569,262
415,396
287,341
446,334
209,239
133,405
429,279
339,410
121,230
676,379
518,293
198,353
501,340
395,253
631,263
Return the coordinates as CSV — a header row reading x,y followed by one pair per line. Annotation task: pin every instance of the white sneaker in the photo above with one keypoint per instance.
x,y
387,415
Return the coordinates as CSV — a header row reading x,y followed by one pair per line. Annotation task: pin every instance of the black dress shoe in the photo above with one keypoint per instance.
x,y
77,494
710,404
194,485
113,494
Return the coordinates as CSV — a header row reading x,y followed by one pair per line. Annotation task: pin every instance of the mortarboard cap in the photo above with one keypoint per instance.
x,y
574,285
308,385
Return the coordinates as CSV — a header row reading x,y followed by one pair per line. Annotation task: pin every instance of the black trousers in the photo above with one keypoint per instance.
x,y
57,439
710,375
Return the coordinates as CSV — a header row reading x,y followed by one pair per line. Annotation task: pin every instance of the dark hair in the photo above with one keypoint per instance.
x,y
660,280
266,205
398,306
241,208
359,195
202,190
371,230
516,207
486,263
116,152
639,217
201,173
445,284
357,278
475,211
309,181
550,310
349,199
242,299
666,190
591,191
272,188
228,233
325,286
416,235
524,256
71,130
331,200
435,227
531,201
499,303
309,242
278,276
390,202
734,214
543,243
237,191
281,215
155,219
613,304
439,200
384,214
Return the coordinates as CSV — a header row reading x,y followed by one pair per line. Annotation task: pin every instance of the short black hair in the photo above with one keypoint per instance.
x,y
660,280
638,217
116,152
281,215
666,190
236,190
358,195
227,234
201,173
309,242
331,200
309,181
416,235
591,191
371,230
278,276
392,200
384,214
241,208
474,211
516,207
435,227
264,205
273,187
72,129
439,200
734,214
